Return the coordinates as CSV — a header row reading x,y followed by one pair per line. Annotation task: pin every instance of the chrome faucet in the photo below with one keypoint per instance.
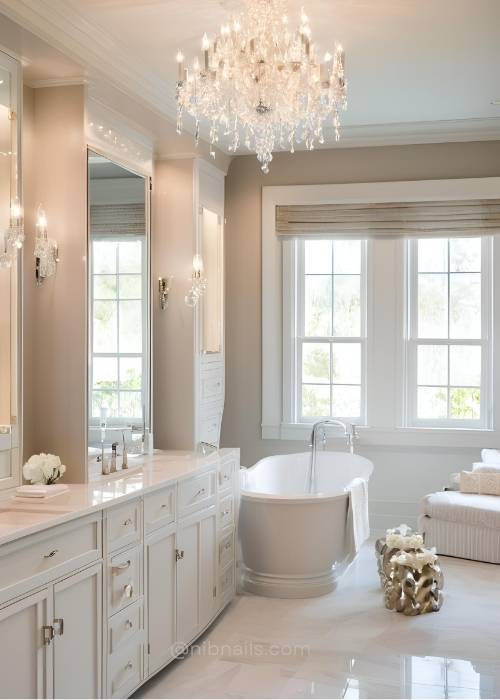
x,y
349,433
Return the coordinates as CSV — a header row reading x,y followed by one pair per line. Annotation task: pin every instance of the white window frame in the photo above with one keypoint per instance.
x,y
121,420
293,320
412,341
386,312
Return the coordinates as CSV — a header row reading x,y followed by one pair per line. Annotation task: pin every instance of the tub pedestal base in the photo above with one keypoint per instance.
x,y
288,586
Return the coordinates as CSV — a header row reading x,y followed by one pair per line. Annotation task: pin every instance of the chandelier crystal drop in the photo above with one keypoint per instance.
x,y
261,81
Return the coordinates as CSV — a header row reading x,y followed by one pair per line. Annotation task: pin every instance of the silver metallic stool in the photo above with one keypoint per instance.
x,y
410,575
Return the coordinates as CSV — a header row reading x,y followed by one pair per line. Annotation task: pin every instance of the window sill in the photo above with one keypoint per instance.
x,y
455,438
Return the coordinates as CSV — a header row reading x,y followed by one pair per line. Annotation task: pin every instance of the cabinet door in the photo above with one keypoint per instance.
x,y
160,563
25,661
195,576
77,635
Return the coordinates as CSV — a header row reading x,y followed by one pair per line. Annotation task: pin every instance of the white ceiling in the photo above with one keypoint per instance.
x,y
418,70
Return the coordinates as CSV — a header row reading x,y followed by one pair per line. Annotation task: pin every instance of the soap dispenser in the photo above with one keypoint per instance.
x,y
113,457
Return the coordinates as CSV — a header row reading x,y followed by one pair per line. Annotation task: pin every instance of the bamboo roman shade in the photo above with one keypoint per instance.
x,y
117,219
389,220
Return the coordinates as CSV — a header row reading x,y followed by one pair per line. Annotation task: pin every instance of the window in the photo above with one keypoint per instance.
x,y
118,298
328,330
449,331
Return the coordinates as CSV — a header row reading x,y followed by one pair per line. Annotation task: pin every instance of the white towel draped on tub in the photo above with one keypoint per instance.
x,y
358,526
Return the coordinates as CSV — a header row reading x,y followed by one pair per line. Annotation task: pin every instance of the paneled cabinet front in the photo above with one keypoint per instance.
x,y
50,641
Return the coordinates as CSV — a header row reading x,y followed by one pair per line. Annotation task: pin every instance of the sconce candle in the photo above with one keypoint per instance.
x,y
14,236
198,282
46,251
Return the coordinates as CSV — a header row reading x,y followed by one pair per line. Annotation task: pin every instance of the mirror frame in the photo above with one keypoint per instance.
x,y
13,441
94,150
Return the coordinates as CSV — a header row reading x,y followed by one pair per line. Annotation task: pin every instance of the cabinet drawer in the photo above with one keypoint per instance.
x,y
159,508
126,668
36,559
226,548
226,512
197,493
212,385
226,582
225,476
123,626
123,525
123,579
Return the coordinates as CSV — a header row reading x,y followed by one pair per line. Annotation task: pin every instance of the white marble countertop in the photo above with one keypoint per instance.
x,y
19,518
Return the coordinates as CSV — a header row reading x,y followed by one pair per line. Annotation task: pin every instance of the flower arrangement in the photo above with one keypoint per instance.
x,y
404,538
43,469
416,560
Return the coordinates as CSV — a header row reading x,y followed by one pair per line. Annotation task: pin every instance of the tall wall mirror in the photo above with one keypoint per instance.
x,y
10,277
210,246
119,393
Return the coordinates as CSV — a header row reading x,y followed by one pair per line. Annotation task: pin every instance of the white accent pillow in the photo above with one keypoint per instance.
x,y
482,467
490,456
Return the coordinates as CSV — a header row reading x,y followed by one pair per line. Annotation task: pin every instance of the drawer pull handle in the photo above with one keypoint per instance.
x,y
226,477
59,626
164,505
179,554
128,590
226,512
51,554
124,565
129,666
129,624
227,546
127,522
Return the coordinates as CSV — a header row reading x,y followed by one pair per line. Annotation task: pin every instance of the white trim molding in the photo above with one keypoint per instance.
x,y
385,339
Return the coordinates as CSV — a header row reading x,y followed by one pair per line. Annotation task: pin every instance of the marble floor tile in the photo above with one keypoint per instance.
x,y
347,645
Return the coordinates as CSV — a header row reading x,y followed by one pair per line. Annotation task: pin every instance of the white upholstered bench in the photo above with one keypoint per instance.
x,y
463,525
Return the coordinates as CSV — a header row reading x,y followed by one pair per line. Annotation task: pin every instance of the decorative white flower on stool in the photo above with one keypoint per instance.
x,y
43,469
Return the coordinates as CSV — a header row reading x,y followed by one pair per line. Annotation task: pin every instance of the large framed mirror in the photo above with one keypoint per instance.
x,y
119,367
10,273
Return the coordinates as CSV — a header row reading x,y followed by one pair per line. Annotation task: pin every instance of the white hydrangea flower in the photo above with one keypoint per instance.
x,y
43,469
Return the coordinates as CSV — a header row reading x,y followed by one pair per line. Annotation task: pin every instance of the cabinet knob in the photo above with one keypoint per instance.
x,y
129,624
199,493
179,554
121,567
59,626
129,666
163,505
127,522
128,590
51,554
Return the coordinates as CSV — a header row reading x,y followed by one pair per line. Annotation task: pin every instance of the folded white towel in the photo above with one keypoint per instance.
x,y
357,516
490,456
484,467
40,490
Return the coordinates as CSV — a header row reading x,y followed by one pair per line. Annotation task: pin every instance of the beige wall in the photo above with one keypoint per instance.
x,y
55,317
172,245
242,415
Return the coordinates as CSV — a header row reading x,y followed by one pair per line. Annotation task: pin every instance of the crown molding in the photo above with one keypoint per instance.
x,y
56,82
409,133
59,23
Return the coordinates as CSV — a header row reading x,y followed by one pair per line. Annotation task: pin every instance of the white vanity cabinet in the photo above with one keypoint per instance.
x,y
96,606
50,636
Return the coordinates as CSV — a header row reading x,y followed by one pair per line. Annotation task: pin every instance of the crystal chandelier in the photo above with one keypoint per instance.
x,y
261,80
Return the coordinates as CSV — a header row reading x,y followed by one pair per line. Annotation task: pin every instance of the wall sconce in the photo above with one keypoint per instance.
x,y
164,284
46,250
198,283
14,235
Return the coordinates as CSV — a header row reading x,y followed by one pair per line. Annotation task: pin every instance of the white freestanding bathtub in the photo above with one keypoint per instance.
x,y
294,544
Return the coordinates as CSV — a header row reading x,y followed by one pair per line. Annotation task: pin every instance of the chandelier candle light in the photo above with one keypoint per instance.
x,y
261,80
14,235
